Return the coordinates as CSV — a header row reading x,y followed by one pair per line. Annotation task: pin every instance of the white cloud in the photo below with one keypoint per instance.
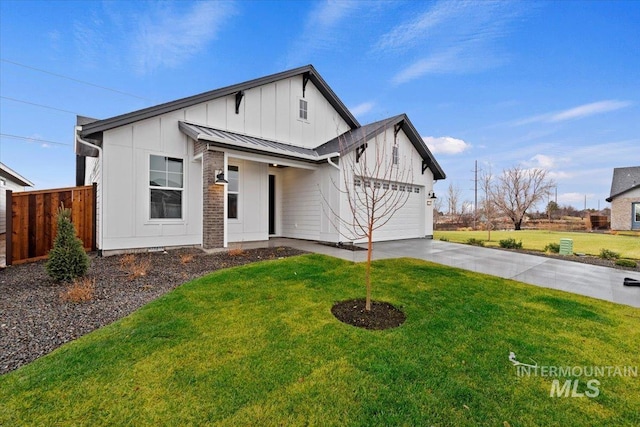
x,y
575,199
362,109
445,145
542,161
167,37
458,37
322,29
574,113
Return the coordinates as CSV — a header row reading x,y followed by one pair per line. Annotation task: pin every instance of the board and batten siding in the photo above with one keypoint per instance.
x,y
93,175
253,202
126,222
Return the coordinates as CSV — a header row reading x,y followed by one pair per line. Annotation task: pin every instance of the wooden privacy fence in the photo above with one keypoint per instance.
x,y
32,223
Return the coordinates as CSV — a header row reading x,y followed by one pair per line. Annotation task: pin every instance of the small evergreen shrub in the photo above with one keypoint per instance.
x,y
626,263
68,259
552,247
607,254
510,243
475,242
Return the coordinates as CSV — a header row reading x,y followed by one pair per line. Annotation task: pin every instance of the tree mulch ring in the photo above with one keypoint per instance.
x,y
382,315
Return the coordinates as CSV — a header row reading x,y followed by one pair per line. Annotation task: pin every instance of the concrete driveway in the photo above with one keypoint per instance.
x,y
598,282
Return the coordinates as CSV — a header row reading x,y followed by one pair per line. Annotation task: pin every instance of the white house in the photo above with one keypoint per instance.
x,y
9,180
277,140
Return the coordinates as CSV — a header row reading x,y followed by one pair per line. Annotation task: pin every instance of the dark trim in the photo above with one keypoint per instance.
x,y
305,80
239,96
81,168
360,151
9,230
93,128
94,228
425,165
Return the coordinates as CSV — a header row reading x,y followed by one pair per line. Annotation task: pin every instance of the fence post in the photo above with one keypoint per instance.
x,y
94,230
8,236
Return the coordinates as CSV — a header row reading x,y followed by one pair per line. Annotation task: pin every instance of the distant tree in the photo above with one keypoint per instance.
x,y
374,184
487,204
552,208
517,190
453,196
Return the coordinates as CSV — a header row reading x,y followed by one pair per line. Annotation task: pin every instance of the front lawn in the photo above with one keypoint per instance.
x,y
627,246
258,345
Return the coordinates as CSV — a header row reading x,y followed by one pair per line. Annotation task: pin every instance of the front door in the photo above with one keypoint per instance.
x,y
272,204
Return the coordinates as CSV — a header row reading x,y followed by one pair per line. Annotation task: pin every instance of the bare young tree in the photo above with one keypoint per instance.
x,y
518,189
453,196
376,183
487,205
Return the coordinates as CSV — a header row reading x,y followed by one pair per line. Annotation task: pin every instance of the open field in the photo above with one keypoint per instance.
x,y
588,243
258,345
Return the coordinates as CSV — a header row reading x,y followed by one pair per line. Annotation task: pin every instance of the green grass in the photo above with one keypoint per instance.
x,y
258,345
589,243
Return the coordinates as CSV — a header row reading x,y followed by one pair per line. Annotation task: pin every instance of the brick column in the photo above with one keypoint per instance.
x,y
213,201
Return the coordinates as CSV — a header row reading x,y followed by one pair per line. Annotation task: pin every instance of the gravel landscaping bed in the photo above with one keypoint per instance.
x,y
35,320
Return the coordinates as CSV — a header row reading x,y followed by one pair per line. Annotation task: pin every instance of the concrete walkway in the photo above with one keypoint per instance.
x,y
598,282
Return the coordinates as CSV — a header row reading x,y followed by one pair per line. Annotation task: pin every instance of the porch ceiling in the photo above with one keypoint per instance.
x,y
250,144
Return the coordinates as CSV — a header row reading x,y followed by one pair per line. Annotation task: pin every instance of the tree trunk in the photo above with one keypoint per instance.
x,y
367,305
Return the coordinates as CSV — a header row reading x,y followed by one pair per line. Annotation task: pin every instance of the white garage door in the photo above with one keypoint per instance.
x,y
408,222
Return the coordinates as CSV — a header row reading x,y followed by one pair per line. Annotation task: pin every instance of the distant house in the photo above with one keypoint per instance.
x,y
242,163
625,199
9,180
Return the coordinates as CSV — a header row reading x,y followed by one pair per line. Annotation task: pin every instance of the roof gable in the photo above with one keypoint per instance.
x,y
308,72
624,179
13,176
350,139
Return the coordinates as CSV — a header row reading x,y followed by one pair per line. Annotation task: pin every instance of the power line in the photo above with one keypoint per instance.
x,y
26,138
40,105
75,80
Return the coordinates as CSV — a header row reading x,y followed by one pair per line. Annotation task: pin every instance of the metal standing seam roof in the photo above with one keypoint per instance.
x,y
250,143
624,179
90,129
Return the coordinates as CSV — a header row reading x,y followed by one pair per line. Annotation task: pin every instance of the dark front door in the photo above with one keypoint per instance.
x,y
272,204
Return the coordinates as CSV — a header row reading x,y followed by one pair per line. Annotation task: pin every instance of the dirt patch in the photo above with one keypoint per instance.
x,y
382,315
36,318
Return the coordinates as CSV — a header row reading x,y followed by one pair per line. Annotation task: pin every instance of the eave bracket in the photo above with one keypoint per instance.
x,y
425,165
305,80
239,96
360,151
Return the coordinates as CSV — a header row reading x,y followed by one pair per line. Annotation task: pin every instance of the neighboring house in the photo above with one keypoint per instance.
x,y
276,140
625,199
9,180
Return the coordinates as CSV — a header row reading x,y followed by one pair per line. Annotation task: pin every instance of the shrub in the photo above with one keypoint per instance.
x,y
80,290
68,259
443,239
626,263
510,243
552,247
186,258
475,242
607,254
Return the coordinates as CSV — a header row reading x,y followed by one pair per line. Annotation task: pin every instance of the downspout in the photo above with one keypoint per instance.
x,y
101,186
331,161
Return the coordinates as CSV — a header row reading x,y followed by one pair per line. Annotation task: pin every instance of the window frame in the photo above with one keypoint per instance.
x,y
233,192
303,109
152,188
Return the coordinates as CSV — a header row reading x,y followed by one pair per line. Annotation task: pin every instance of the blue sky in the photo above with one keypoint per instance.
x,y
541,84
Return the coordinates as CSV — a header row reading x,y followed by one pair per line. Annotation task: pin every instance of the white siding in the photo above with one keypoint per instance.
x,y
253,203
9,185
126,222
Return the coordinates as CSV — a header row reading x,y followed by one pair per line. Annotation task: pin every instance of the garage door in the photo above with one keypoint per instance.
x,y
408,222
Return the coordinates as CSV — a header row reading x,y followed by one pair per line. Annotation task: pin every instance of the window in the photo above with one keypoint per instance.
x,y
385,186
395,155
401,188
376,185
416,190
394,187
233,188
303,109
166,186
356,182
636,209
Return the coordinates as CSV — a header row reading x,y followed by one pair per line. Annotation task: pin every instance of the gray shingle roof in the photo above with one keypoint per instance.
x,y
624,179
352,138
